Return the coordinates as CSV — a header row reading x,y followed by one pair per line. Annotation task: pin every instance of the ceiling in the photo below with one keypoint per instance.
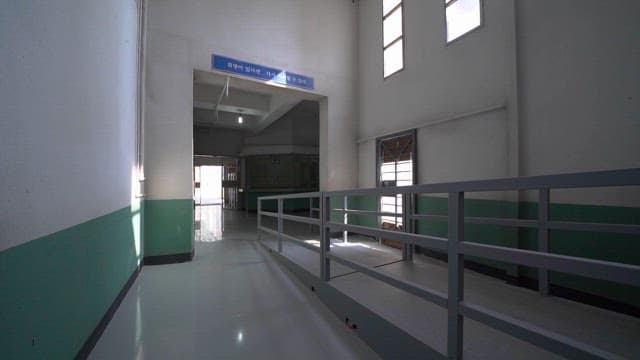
x,y
258,103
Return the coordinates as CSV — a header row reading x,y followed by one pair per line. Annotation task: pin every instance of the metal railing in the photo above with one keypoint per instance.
x,y
457,248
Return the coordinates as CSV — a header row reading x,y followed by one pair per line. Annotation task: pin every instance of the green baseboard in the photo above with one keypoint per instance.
x,y
169,227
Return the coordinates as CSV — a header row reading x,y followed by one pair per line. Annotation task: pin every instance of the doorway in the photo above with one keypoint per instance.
x,y
208,185
265,137
208,198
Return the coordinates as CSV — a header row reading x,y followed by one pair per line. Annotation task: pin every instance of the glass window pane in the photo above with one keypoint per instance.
x,y
388,176
393,58
388,5
388,200
388,208
462,17
405,165
392,27
388,167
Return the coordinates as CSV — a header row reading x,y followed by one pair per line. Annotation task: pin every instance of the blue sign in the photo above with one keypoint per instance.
x,y
261,72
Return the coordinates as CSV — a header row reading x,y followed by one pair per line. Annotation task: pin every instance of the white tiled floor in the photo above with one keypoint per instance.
x,y
231,302
234,302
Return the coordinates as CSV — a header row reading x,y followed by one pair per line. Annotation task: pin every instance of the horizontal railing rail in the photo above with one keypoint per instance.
x,y
431,242
424,292
292,196
458,247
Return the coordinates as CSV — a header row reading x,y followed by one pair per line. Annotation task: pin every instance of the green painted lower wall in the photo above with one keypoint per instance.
x,y
169,227
485,234
602,246
55,289
622,248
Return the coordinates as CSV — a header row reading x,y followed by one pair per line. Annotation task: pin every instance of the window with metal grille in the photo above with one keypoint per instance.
x,y
396,167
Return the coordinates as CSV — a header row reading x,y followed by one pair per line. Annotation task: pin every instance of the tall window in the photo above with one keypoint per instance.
x,y
392,37
462,17
396,167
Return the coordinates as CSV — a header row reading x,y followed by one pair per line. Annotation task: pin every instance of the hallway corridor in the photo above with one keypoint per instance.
x,y
231,302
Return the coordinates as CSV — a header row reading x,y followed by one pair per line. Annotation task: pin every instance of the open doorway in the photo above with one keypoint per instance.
x,y
216,181
215,189
208,185
263,139
208,198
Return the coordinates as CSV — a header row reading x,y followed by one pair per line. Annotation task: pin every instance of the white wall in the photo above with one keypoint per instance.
x,y
465,149
219,142
295,132
306,125
299,126
438,82
580,89
566,71
315,38
67,113
279,132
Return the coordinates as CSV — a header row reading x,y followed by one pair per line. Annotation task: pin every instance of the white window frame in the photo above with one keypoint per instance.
x,y
448,3
399,7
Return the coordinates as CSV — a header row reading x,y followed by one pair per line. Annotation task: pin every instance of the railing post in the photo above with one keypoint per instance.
x,y
259,219
325,237
543,238
456,275
407,219
310,212
280,224
345,207
378,217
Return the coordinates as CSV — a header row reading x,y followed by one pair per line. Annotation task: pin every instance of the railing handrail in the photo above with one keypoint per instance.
x,y
457,247
305,195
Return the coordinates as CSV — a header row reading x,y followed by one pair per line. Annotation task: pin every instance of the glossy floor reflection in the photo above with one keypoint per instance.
x,y
209,223
231,302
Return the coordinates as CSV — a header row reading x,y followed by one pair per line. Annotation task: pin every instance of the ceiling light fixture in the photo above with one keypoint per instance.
x,y
240,119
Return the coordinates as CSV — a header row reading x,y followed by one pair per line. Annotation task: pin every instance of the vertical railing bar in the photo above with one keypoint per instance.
x,y
280,224
411,223
543,238
456,275
345,207
310,213
406,255
259,219
378,217
325,237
